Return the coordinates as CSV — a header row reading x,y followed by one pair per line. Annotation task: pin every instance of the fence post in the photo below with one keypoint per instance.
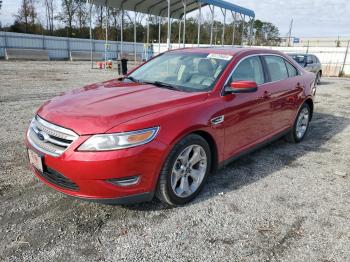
x,y
68,47
5,39
308,45
5,45
342,72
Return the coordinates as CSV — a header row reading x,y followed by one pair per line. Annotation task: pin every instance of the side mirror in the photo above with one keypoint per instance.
x,y
242,87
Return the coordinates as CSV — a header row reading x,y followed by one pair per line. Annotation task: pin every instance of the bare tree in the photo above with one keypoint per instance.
x,y
26,14
82,14
49,6
115,16
100,16
69,9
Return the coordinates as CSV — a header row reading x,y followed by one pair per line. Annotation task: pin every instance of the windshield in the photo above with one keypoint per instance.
x,y
193,72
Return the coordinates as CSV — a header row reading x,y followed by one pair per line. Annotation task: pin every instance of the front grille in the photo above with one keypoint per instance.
x,y
49,138
57,179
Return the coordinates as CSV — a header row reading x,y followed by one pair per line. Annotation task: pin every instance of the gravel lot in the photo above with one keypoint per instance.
x,y
282,203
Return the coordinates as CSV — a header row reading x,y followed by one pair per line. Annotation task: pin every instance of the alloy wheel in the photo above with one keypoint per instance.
x,y
188,171
302,123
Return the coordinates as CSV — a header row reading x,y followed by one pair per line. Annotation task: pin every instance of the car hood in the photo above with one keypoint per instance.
x,y
99,107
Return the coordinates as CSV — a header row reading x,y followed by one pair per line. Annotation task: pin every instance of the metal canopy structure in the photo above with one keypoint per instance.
x,y
175,9
160,7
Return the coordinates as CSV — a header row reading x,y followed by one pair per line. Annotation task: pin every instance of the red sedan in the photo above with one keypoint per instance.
x,y
163,128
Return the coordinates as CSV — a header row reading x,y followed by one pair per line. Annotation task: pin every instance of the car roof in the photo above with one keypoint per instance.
x,y
227,50
298,54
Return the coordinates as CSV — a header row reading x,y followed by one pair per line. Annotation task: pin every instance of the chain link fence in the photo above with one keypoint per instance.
x,y
333,53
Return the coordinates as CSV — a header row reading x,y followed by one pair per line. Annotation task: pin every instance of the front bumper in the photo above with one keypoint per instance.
x,y
86,173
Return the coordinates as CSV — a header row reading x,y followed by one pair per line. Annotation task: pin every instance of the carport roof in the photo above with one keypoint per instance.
x,y
160,7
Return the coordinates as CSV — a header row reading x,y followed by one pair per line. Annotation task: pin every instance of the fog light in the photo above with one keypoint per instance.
x,y
125,181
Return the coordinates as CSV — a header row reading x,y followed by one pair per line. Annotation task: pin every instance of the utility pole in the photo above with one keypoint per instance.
x,y
290,32
342,72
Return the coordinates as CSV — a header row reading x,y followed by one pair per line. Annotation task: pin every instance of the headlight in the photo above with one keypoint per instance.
x,y
119,140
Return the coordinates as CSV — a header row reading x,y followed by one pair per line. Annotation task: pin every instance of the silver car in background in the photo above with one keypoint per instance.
x,y
310,63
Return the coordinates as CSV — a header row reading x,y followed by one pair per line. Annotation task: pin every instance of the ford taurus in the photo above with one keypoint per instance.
x,y
164,127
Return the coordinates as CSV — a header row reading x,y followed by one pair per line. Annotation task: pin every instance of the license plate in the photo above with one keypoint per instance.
x,y
35,160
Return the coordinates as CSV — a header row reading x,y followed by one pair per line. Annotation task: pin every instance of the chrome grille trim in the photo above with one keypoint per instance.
x,y
56,138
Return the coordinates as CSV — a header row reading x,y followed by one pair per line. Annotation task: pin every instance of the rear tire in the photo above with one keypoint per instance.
x,y
185,171
301,125
318,79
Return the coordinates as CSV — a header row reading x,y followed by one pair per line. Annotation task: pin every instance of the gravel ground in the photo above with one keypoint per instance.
x,y
282,203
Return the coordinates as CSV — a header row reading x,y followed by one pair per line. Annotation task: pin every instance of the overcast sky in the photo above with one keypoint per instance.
x,y
311,17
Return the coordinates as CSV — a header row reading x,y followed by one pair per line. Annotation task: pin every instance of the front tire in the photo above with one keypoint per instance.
x,y
185,171
301,125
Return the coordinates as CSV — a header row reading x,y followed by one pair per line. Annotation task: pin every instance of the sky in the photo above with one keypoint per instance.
x,y
312,18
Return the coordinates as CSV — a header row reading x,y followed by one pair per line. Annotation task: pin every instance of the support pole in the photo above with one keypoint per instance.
x,y
251,32
199,24
106,34
184,32
135,38
242,38
223,28
90,33
212,9
159,31
234,16
121,35
169,26
149,16
179,33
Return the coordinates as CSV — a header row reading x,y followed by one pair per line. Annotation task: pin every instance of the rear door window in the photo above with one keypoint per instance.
x,y
292,71
277,67
309,60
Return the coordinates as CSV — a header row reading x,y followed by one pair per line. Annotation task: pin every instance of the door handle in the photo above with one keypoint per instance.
x,y
266,95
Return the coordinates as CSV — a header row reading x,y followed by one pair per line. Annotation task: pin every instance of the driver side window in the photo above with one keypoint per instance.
x,y
250,69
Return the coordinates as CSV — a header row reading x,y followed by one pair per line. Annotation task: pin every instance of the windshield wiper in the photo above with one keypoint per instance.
x,y
132,79
166,85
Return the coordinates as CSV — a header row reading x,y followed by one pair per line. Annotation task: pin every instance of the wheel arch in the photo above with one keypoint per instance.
x,y
213,148
310,103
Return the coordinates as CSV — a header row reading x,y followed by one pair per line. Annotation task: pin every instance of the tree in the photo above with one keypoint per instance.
x,y
49,6
69,9
26,14
266,33
100,15
26,19
82,14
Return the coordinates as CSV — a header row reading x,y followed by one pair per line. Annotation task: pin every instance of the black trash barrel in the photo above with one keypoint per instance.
x,y
124,66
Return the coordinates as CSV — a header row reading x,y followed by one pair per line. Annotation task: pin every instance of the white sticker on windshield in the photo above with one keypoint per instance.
x,y
220,56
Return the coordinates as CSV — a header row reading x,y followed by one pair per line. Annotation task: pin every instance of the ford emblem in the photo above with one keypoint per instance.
x,y
41,136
